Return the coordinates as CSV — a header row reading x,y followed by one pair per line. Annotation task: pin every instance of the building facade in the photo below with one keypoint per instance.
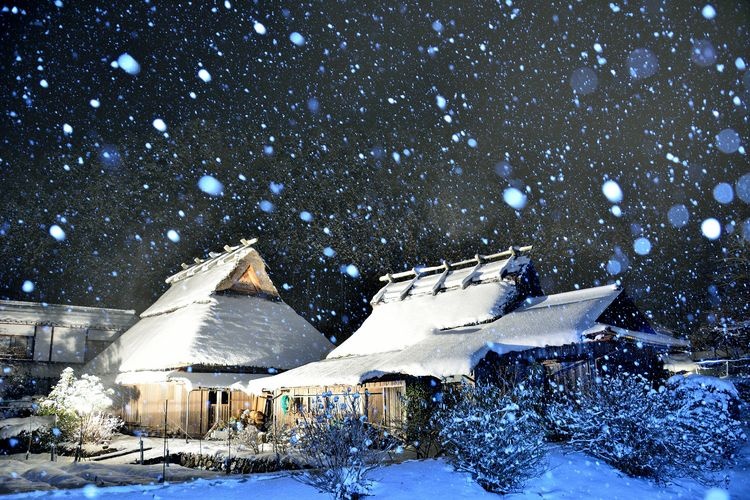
x,y
39,340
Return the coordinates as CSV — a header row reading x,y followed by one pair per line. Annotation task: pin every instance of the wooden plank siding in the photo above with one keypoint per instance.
x,y
382,402
192,413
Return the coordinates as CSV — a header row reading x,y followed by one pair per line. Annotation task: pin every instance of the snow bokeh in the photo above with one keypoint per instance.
x,y
409,134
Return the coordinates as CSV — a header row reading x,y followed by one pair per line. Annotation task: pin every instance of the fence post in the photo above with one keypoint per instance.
x,y
140,443
229,433
164,450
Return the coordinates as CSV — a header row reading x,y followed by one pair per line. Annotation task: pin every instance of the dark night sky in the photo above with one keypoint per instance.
x,y
398,128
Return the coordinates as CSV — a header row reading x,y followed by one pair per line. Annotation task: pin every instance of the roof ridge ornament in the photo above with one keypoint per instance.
x,y
407,288
512,252
213,258
466,281
441,279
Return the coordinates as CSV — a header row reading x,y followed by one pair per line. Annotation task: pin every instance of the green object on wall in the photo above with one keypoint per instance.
x,y
285,404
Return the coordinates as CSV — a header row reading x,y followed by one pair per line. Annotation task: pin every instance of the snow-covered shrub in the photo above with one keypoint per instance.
x,y
14,385
615,419
419,428
494,433
682,429
703,424
246,435
243,429
335,439
81,405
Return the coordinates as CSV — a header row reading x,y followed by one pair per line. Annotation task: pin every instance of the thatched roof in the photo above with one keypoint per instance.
x,y
441,321
410,307
221,312
553,320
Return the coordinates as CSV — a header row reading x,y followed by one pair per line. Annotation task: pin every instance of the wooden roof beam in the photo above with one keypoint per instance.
x,y
469,277
514,251
441,280
405,292
378,296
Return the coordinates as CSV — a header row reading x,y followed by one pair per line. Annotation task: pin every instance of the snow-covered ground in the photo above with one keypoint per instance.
x,y
570,476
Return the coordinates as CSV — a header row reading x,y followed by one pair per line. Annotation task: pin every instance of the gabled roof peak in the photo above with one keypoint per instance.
x,y
214,258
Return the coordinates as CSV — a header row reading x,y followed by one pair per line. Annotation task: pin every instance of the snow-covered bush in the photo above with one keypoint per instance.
x,y
494,433
81,405
245,432
703,424
682,429
14,385
335,439
419,429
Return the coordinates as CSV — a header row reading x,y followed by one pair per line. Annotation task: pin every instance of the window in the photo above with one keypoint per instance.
x,y
16,347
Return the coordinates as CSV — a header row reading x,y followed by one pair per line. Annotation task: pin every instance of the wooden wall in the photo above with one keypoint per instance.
x,y
188,412
381,401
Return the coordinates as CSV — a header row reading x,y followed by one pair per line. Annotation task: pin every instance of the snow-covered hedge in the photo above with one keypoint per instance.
x,y
494,434
81,406
335,439
685,428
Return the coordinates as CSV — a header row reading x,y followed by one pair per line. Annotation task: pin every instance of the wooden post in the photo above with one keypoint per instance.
x,y
79,448
28,449
200,416
200,426
229,432
187,414
140,443
164,450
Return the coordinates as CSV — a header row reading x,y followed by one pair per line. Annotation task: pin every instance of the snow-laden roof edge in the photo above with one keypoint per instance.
x,y
192,380
40,313
554,320
228,330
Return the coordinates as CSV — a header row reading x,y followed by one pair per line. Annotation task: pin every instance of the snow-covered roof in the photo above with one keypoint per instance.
x,y
553,320
658,340
38,313
408,311
202,280
451,276
200,320
193,380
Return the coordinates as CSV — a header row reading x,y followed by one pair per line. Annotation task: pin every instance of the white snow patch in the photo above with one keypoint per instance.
x,y
612,191
297,39
57,232
711,228
708,11
12,427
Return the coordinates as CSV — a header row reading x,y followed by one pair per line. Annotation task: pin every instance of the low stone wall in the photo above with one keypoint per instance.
x,y
266,462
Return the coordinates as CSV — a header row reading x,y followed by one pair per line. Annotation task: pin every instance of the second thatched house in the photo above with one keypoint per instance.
x,y
220,322
481,318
